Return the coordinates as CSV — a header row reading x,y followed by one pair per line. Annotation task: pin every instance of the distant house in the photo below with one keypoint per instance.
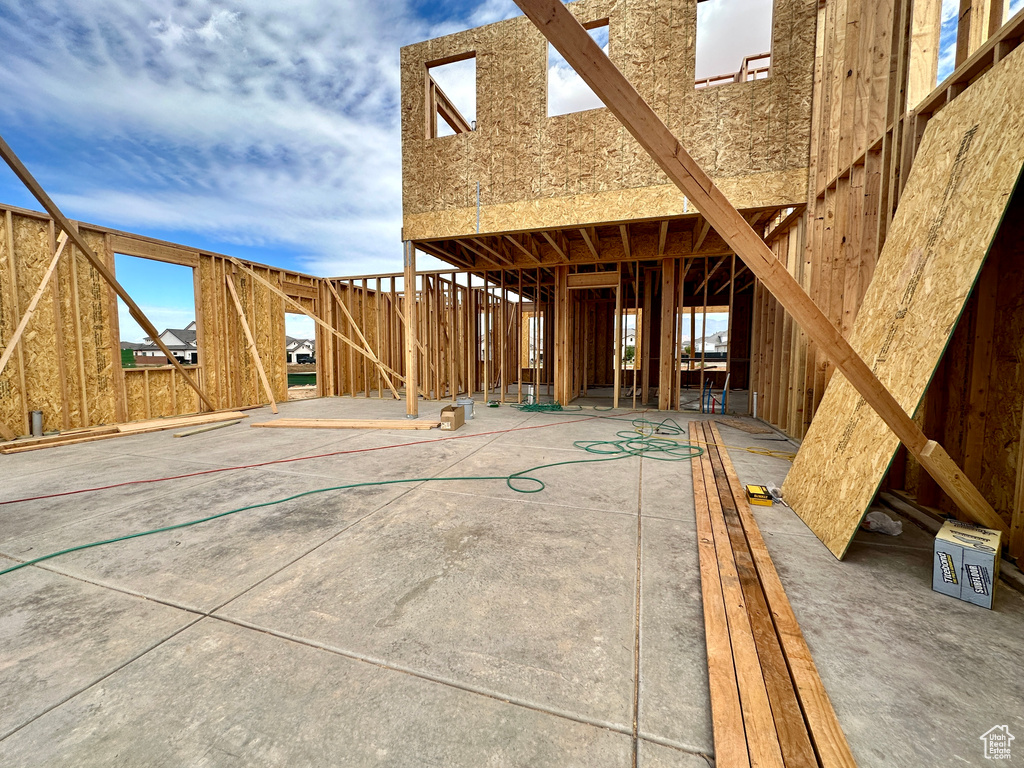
x,y
300,350
180,341
715,343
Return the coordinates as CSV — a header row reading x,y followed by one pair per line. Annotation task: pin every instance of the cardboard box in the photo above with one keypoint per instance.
x,y
453,417
966,562
758,494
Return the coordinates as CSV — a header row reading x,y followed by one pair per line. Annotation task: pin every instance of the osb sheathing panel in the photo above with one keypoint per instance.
x,y
760,189
753,138
11,404
68,345
948,394
39,341
965,171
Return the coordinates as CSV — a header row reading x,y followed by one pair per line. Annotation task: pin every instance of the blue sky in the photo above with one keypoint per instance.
x,y
262,129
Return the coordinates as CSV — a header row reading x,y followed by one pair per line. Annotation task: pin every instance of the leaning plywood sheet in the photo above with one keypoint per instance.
x,y
956,195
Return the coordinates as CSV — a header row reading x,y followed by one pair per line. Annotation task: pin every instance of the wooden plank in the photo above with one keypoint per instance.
x,y
593,280
794,740
347,424
829,741
662,237
762,738
300,290
559,26
207,428
701,232
61,437
1017,513
146,249
15,306
119,430
726,711
252,344
981,367
72,232
557,241
626,245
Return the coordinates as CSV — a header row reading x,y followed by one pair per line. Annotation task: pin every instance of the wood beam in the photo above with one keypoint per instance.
x,y
590,241
479,253
530,254
583,54
662,237
701,227
435,250
502,259
72,232
624,234
560,245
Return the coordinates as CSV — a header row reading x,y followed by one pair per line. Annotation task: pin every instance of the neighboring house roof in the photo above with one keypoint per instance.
x,y
186,335
134,345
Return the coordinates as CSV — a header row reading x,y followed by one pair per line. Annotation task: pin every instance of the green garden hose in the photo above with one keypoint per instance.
x,y
638,442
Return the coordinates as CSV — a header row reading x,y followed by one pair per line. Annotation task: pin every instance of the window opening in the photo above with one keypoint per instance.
x,y
731,33
451,96
567,92
166,293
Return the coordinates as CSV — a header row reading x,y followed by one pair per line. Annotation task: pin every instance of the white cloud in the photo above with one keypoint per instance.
x,y
248,122
729,30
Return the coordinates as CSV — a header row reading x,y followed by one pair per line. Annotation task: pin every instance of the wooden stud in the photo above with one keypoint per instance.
x,y
665,378
409,289
618,339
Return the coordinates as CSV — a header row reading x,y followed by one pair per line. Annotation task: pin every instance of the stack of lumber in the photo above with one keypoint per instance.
x,y
90,434
769,707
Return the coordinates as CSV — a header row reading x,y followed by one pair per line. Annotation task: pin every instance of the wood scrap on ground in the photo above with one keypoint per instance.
x,y
349,424
768,704
207,428
91,434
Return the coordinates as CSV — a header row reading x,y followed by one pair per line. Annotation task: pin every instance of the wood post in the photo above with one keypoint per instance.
x,y
666,355
412,404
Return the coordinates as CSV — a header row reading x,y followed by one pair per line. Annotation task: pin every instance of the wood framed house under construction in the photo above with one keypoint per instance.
x,y
858,223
